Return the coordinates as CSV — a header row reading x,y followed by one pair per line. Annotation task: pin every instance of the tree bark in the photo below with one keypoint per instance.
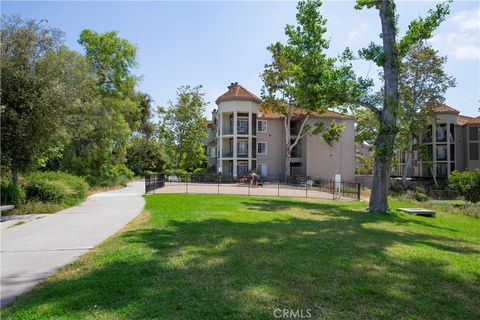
x,y
287,144
388,116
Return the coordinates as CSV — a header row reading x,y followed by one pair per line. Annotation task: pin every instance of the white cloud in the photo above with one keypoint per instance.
x,y
354,33
467,19
462,40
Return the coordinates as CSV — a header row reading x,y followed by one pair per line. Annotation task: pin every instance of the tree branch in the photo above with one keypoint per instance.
x,y
300,135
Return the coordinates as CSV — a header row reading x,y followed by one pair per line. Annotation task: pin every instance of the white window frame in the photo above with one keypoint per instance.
x,y
263,173
266,148
264,126
242,142
242,119
243,164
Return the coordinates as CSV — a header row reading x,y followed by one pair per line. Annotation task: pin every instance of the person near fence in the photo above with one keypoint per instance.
x,y
253,179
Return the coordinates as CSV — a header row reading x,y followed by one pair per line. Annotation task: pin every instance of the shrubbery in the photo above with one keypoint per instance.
x,y
467,184
117,174
176,172
10,194
56,187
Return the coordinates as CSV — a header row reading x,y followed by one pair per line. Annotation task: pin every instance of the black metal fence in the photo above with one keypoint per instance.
x,y
154,181
276,185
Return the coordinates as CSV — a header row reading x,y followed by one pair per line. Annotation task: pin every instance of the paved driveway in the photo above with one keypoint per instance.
x,y
35,250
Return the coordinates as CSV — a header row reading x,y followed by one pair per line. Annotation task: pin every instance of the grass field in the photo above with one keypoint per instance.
x,y
234,257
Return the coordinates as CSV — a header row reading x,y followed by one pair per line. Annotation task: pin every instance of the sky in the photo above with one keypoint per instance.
x,y
218,42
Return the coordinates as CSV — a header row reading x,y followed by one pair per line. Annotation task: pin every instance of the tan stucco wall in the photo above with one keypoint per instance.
x,y
471,164
275,138
324,161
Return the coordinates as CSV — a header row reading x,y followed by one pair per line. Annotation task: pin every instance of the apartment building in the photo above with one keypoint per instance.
x,y
242,137
453,142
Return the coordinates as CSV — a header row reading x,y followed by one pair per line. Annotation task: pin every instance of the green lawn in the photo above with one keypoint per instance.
x,y
234,257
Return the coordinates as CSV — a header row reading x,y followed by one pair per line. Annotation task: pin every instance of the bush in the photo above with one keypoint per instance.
x,y
117,174
176,172
144,156
57,187
47,191
421,197
200,171
10,194
467,184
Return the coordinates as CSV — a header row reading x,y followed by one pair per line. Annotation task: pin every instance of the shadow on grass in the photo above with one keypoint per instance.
x,y
217,268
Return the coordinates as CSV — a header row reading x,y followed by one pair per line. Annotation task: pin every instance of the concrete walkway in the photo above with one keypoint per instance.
x,y
36,249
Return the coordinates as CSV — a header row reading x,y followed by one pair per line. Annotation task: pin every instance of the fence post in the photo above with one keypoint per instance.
x,y
218,184
358,191
186,184
306,190
249,189
334,187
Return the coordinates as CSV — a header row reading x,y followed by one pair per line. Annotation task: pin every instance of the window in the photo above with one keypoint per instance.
x,y
427,136
441,131
473,151
262,126
441,152
473,133
242,125
242,168
213,152
442,170
242,147
262,169
452,133
262,148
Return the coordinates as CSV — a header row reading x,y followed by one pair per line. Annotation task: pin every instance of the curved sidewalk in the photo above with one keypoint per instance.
x,y
35,250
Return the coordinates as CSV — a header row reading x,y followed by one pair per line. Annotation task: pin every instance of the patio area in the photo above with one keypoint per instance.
x,y
267,189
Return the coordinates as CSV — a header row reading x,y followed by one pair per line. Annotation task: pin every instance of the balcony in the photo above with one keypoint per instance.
x,y
227,131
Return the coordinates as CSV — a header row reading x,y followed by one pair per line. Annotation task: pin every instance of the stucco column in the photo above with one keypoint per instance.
x,y
235,143
250,124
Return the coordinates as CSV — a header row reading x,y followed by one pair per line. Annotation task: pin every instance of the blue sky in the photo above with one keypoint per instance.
x,y
215,43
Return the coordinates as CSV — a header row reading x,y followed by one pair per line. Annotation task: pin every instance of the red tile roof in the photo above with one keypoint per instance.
x,y
329,114
461,120
439,107
237,92
475,120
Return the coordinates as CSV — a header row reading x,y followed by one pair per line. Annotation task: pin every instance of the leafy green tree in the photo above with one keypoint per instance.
x,y
467,184
423,82
366,126
301,80
42,83
182,129
146,126
112,58
388,56
144,155
102,128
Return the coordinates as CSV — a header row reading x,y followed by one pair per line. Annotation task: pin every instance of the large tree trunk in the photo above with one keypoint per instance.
x,y
288,142
408,160
388,116
287,165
